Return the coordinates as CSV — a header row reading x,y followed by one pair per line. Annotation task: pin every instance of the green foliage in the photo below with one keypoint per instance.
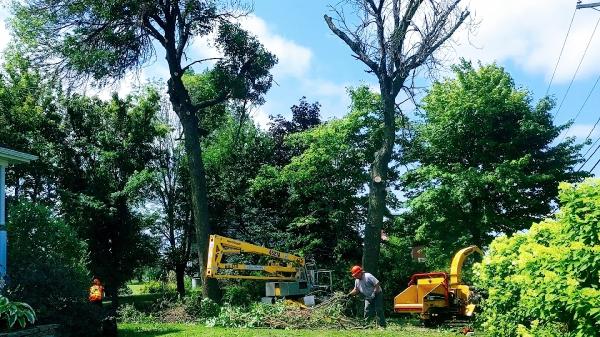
x,y
48,261
285,314
16,312
48,268
487,161
103,162
237,295
30,122
201,308
233,156
396,256
317,199
127,313
156,287
246,317
545,281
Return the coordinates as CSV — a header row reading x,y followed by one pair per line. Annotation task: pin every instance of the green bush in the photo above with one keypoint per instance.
x,y
201,308
545,282
48,268
127,313
16,312
157,287
237,295
246,317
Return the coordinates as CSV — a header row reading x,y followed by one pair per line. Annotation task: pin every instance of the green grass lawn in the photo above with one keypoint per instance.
x,y
185,330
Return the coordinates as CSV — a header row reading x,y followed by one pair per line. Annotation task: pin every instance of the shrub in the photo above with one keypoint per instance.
x,y
157,287
14,312
127,313
545,282
48,268
237,295
201,308
125,291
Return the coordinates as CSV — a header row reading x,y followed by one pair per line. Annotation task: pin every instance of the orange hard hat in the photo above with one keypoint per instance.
x,y
356,270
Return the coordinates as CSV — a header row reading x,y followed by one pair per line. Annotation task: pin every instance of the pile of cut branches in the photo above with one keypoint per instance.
x,y
328,314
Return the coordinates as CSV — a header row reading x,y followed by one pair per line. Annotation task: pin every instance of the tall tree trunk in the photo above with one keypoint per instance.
x,y
377,187
181,103
179,277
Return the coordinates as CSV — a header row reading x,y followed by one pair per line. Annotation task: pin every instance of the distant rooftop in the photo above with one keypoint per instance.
x,y
8,156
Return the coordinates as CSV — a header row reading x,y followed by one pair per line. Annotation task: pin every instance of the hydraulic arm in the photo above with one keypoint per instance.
x,y
289,269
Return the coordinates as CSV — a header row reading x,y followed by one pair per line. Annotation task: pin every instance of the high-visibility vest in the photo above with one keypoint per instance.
x,y
96,293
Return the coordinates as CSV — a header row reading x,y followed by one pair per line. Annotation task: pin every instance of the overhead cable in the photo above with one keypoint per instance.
x,y
581,108
578,67
561,52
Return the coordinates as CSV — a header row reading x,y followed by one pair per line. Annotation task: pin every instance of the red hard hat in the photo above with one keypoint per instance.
x,y
356,270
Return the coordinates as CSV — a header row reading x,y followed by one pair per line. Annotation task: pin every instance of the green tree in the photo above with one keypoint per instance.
x,y
304,116
102,162
316,202
30,122
393,39
545,282
487,159
168,188
103,40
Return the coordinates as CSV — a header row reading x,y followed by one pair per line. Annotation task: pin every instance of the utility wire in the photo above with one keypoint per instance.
x,y
592,130
561,52
593,167
591,147
590,157
578,66
581,108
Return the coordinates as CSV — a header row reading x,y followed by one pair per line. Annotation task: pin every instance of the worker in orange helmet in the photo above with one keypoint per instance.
x,y
367,285
96,292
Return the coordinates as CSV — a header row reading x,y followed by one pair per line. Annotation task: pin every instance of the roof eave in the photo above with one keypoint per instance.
x,y
9,156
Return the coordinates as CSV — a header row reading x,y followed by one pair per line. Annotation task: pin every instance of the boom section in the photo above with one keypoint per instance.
x,y
220,246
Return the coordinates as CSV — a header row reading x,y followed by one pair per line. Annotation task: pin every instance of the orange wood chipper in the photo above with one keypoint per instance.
x,y
438,296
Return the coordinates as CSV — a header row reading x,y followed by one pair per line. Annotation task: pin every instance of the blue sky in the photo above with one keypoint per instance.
x,y
523,36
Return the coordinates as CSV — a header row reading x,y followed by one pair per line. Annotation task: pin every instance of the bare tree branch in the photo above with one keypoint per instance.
x,y
355,45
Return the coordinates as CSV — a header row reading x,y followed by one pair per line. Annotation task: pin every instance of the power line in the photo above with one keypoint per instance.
x,y
590,157
581,108
578,66
561,52
591,147
592,130
593,167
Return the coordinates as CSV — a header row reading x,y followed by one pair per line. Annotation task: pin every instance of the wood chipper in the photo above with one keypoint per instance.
x,y
438,296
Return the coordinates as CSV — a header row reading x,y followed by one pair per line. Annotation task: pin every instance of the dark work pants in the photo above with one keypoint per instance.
x,y
375,307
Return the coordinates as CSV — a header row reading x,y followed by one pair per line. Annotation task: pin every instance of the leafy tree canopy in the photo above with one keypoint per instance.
x,y
488,161
109,145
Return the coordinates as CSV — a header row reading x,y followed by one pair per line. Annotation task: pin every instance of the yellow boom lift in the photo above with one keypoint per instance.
x,y
287,275
436,296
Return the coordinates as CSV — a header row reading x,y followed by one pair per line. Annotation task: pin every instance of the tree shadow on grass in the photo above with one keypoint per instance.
x,y
148,332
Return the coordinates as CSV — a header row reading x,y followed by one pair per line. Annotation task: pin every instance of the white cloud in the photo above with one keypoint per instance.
x,y
530,34
580,131
294,60
261,117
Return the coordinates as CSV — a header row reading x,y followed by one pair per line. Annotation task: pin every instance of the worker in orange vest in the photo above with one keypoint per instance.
x,y
96,292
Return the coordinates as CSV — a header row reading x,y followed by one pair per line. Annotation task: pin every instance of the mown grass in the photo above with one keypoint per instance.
x,y
188,330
